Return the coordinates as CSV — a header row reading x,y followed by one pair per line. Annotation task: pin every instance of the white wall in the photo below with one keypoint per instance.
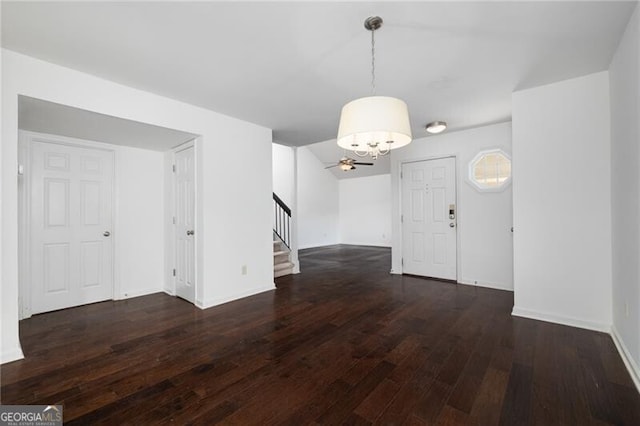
x,y
365,210
562,203
625,190
139,227
283,158
336,211
227,238
9,345
318,209
484,218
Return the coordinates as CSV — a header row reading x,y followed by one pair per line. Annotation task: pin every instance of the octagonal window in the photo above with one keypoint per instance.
x,y
490,170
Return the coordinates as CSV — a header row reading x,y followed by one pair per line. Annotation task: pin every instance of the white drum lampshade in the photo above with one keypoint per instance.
x,y
374,125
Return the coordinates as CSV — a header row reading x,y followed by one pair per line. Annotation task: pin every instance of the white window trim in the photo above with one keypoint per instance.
x,y
479,186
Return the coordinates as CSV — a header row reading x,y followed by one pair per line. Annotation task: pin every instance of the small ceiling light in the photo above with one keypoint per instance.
x,y
436,127
376,124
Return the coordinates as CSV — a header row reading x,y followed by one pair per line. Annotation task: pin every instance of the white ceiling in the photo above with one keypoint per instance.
x,y
291,66
48,117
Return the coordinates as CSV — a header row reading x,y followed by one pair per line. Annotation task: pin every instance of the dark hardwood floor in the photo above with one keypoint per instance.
x,y
344,342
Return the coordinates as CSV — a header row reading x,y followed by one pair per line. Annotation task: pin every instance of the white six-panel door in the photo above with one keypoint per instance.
x,y
429,216
71,202
185,224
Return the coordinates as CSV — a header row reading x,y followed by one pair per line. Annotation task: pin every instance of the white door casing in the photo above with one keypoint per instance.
x,y
185,224
71,220
429,218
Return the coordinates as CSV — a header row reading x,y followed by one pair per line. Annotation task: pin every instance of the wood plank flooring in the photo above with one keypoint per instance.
x,y
344,342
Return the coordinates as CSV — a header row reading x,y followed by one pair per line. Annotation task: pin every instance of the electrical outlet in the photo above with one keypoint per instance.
x,y
244,269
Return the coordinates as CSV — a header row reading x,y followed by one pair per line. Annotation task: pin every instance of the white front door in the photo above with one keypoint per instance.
x,y
185,220
429,218
71,218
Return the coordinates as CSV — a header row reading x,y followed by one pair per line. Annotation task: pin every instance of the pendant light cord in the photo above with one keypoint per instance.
x,y
373,62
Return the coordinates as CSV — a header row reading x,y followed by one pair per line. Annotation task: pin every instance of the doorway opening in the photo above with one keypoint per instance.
x,y
95,207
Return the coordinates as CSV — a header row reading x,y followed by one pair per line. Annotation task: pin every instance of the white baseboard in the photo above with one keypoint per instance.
x,y
10,355
559,319
168,291
368,244
138,293
486,284
219,301
317,245
470,282
628,360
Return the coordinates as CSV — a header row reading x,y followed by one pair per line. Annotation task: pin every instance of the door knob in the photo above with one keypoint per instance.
x,y
452,225
190,232
106,233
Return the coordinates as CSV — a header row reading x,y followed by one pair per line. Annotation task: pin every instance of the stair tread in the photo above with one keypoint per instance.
x,y
284,265
280,253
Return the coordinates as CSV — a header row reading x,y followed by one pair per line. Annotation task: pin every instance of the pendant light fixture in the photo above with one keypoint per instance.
x,y
376,124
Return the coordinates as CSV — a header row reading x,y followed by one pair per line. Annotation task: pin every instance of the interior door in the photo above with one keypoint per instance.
x,y
429,218
71,202
185,219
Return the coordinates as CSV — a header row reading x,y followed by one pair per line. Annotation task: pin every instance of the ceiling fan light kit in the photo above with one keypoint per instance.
x,y
374,125
436,127
347,164
346,167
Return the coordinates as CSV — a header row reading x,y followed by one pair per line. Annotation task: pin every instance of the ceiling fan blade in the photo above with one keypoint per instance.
x,y
335,165
363,164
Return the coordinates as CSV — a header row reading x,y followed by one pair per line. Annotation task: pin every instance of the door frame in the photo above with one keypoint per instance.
x,y
170,211
458,207
25,140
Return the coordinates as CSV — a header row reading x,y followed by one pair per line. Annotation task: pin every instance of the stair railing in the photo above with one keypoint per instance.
x,y
282,220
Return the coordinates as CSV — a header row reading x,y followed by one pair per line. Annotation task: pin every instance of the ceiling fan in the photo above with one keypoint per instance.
x,y
347,164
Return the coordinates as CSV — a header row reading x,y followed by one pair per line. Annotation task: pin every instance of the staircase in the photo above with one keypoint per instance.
x,y
282,264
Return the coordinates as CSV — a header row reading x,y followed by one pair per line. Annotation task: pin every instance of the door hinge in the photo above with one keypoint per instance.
x,y
173,168
401,218
402,261
174,272
174,220
400,175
